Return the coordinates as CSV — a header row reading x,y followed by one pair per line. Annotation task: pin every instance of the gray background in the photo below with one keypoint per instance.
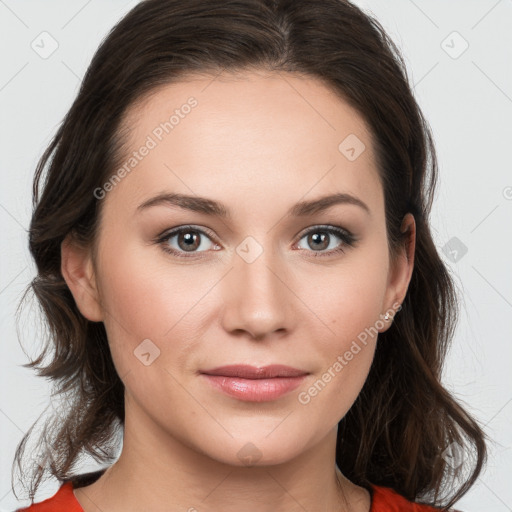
x,y
466,95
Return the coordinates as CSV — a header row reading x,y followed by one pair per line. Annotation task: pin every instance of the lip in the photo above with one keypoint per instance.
x,y
253,384
252,372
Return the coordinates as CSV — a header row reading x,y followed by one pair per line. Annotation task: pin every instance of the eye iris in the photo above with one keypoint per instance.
x,y
319,238
191,240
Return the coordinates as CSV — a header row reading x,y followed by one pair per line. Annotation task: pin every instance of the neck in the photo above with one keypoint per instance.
x,y
155,469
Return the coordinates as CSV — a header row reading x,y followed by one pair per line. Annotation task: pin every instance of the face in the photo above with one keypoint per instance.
x,y
271,281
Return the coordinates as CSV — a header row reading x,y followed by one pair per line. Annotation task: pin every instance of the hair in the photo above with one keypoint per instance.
x,y
398,430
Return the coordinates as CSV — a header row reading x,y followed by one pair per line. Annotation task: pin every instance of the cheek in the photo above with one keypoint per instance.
x,y
142,292
145,297
346,351
331,393
346,301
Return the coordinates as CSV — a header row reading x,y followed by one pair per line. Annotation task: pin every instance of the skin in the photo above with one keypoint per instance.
x,y
258,142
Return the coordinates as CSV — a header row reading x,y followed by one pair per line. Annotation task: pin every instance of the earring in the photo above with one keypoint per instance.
x,y
388,317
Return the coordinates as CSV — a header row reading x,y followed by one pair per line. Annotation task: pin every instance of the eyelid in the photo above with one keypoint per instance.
x,y
325,227
170,232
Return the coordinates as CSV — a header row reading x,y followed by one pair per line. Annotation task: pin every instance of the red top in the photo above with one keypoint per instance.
x,y
384,499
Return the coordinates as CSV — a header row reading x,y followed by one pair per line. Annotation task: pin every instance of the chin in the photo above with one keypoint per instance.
x,y
261,449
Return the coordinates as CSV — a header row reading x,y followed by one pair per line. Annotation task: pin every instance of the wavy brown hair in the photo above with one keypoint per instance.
x,y
397,431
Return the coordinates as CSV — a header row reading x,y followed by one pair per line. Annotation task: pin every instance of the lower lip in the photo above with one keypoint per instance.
x,y
255,390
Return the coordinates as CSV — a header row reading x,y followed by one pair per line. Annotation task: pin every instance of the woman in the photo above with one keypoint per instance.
x,y
236,208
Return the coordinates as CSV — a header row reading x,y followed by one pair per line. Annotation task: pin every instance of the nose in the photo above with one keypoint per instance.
x,y
258,297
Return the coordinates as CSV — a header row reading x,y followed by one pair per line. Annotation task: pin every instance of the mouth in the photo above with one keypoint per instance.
x,y
252,384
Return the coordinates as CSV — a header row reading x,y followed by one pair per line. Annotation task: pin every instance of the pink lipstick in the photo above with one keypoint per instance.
x,y
254,384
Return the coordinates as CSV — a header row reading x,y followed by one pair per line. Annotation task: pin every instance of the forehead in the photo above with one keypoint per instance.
x,y
232,132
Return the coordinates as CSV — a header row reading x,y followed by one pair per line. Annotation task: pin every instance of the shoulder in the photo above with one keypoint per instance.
x,y
385,499
62,501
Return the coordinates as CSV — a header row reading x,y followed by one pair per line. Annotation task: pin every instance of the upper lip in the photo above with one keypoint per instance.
x,y
253,372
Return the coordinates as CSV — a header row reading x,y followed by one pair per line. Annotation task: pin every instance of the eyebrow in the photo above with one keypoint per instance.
x,y
215,208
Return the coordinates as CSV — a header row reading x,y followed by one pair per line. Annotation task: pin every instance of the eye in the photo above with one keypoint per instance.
x,y
321,238
187,239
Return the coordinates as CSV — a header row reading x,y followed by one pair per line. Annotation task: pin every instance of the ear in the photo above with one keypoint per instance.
x,y
78,272
400,271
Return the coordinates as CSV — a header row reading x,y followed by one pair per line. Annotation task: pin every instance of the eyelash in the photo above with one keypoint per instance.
x,y
348,239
